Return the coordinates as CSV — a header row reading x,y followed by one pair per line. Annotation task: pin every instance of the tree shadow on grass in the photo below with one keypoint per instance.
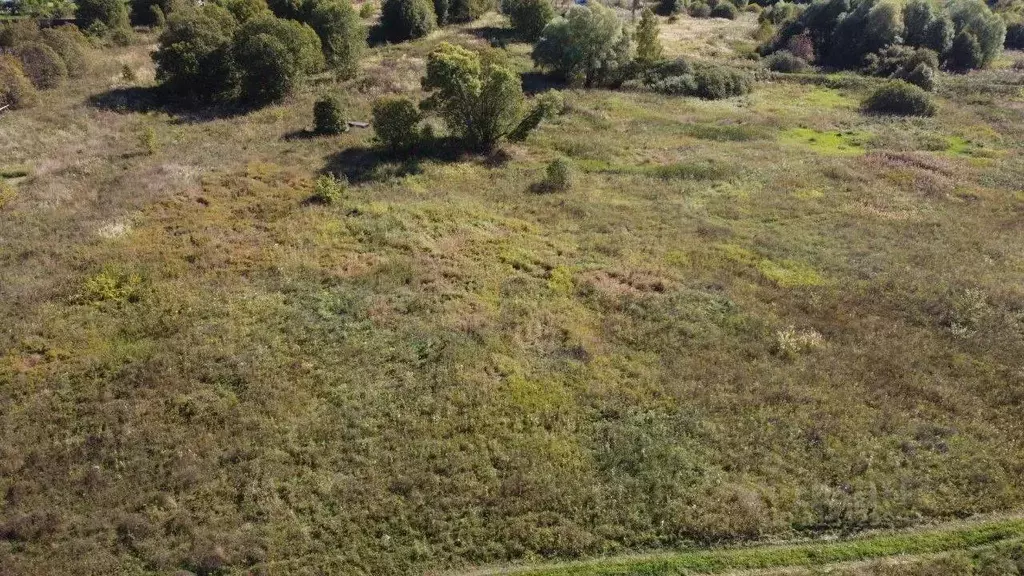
x,y
360,164
141,99
496,36
537,83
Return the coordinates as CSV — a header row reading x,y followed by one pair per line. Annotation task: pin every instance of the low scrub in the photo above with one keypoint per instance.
x,y
786,61
42,65
16,90
898,98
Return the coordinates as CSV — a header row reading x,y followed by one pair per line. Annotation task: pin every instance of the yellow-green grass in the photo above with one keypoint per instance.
x,y
809,554
716,336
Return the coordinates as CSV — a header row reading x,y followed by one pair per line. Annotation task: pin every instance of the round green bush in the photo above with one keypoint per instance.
x,y
529,17
716,82
700,10
402,20
724,9
966,53
328,117
16,90
64,40
468,10
898,98
558,176
342,35
394,123
42,65
328,189
785,61
301,41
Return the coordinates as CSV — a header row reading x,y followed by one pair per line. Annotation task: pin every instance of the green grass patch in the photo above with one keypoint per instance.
x,y
837,143
726,132
795,555
674,171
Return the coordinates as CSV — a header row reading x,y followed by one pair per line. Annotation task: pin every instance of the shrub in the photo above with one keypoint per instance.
x,y
648,46
245,10
916,66
112,14
716,82
965,53
16,90
973,18
724,9
1014,36
899,98
193,58
468,10
407,19
479,103
341,33
779,13
785,61
394,123
529,17
367,10
558,177
587,46
65,42
918,18
700,10
148,140
328,117
289,9
328,189
42,65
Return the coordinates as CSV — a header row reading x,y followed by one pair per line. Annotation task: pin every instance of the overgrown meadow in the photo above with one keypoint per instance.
x,y
765,316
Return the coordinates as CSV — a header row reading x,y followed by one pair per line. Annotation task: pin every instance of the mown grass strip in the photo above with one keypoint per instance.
x,y
716,561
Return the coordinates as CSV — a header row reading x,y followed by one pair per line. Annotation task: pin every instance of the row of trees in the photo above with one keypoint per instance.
x,y
963,34
243,51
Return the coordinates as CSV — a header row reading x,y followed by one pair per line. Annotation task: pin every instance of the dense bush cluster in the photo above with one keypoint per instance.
x,y
914,65
248,54
529,17
899,98
37,59
103,17
964,34
786,61
328,117
587,47
704,80
402,20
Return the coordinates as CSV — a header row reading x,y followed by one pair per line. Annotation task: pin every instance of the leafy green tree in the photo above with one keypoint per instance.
x,y
407,19
479,104
973,18
270,69
328,117
529,17
193,59
587,46
648,46
110,14
342,35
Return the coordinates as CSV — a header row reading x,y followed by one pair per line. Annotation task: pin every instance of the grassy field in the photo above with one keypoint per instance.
x,y
758,318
